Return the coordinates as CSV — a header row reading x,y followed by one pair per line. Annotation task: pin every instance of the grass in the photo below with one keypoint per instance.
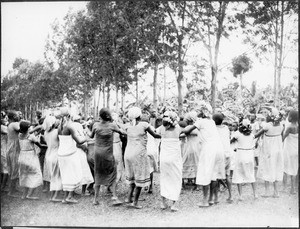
x,y
273,212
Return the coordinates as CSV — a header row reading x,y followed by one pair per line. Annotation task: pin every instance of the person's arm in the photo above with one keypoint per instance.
x,y
259,133
3,129
188,129
150,131
79,139
286,133
37,128
89,133
36,141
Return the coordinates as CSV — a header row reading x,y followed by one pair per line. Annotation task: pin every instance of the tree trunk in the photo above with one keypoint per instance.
x,y
117,97
137,87
84,105
25,112
281,48
108,96
30,109
165,85
213,87
98,105
95,102
155,87
276,63
122,98
103,94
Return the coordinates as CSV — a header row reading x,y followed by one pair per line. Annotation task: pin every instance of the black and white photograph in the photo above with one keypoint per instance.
x,y
149,113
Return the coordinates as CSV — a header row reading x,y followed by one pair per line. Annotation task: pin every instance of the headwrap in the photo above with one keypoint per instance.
x,y
171,117
64,111
134,113
191,116
205,108
275,116
245,127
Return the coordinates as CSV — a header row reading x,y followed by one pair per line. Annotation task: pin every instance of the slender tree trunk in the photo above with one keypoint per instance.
x,y
137,87
165,85
122,98
276,62
98,105
95,102
155,86
213,86
30,109
25,112
84,105
108,96
281,48
103,94
117,97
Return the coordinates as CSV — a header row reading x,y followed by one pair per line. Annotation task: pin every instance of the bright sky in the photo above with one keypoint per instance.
x,y
25,26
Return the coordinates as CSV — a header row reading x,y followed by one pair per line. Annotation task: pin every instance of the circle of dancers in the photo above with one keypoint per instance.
x,y
62,152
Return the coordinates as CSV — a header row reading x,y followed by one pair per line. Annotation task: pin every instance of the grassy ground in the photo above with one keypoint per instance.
x,y
273,212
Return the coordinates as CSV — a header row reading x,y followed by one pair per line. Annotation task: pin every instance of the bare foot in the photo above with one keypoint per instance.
x,y
13,195
163,206
95,202
174,209
135,206
32,197
203,205
229,200
71,201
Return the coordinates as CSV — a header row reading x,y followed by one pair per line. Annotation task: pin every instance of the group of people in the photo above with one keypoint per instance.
x,y
200,149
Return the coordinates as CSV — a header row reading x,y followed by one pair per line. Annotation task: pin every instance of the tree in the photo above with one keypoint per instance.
x,y
241,65
178,34
273,25
211,22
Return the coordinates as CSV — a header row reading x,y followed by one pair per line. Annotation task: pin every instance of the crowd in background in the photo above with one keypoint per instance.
x,y
65,153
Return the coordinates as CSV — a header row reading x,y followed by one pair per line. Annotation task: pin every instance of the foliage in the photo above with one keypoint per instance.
x,y
241,65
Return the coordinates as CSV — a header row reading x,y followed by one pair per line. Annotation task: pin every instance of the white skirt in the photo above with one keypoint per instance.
x,y
170,168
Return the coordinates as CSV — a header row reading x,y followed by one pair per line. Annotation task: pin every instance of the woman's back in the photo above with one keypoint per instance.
x,y
51,139
103,134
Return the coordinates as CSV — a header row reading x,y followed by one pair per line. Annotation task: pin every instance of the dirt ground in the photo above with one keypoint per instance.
x,y
263,212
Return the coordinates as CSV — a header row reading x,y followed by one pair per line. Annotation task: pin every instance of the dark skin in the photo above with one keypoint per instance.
x,y
68,129
133,186
291,129
188,130
28,192
114,184
16,127
258,134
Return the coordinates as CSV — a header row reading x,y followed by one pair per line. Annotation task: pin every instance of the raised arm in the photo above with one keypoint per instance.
x,y
37,128
286,133
3,129
259,133
188,129
150,131
78,138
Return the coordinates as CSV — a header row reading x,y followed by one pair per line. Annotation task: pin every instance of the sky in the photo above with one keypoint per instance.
x,y
25,26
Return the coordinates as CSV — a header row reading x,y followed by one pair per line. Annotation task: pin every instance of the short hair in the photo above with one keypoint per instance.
x,y
12,115
24,126
293,116
105,114
218,118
